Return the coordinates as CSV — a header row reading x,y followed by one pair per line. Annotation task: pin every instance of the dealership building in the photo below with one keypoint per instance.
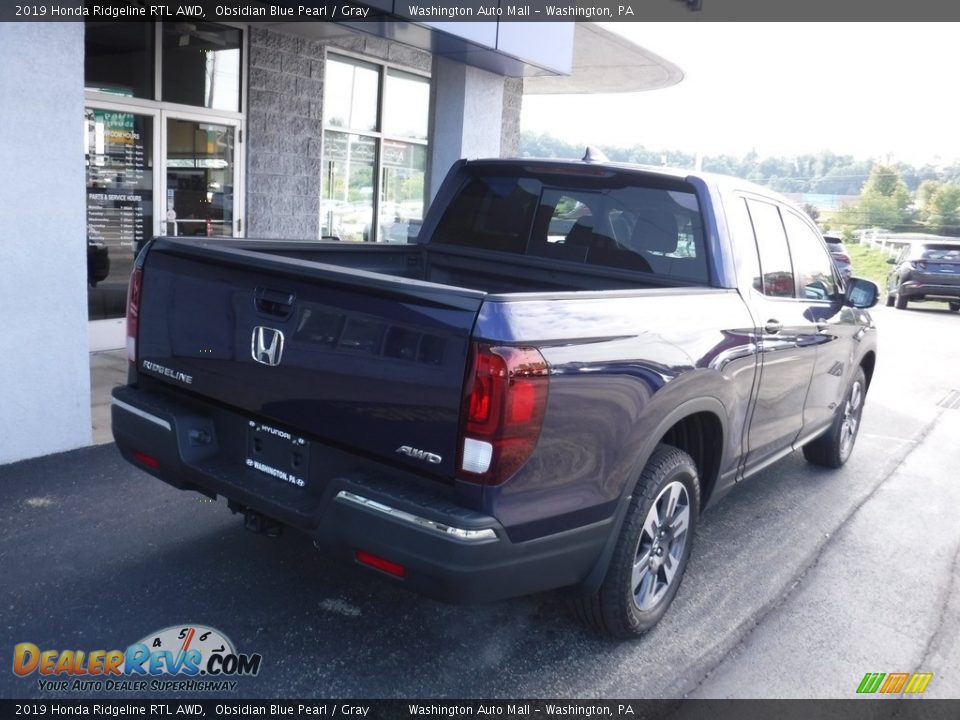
x,y
112,132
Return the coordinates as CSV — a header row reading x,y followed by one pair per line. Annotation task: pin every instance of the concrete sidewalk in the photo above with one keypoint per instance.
x,y
107,370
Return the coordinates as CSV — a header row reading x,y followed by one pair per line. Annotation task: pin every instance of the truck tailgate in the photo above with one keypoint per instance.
x,y
372,363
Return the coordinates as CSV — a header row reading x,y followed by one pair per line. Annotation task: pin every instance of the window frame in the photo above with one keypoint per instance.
x,y
379,136
155,103
748,199
823,246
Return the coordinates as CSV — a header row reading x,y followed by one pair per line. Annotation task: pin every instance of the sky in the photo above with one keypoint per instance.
x,y
888,91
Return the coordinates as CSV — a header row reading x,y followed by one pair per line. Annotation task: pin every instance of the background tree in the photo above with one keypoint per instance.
x,y
944,209
884,191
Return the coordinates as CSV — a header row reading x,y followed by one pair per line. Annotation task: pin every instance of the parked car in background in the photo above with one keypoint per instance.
x,y
925,271
838,251
98,261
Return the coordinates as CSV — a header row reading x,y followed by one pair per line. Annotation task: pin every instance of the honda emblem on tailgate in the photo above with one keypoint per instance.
x,y
266,345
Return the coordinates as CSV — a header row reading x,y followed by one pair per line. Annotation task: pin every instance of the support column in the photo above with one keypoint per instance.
x,y
44,349
466,116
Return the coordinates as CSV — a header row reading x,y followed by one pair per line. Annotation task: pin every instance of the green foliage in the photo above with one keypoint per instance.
x,y
879,211
925,193
825,173
869,263
944,207
884,184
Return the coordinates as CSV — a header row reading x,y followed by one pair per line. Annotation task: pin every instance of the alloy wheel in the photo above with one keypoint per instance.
x,y
661,545
851,419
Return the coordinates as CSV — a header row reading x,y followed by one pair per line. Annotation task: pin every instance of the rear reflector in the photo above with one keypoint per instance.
x,y
146,460
504,402
380,563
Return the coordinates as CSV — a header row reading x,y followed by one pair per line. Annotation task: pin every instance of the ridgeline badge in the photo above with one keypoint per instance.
x,y
185,652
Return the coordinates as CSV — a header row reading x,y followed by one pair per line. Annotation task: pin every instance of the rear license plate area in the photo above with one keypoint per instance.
x,y
278,453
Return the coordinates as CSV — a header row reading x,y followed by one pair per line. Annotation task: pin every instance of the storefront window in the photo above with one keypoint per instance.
x,y
368,173
351,91
346,210
119,58
119,160
201,65
406,105
401,190
163,137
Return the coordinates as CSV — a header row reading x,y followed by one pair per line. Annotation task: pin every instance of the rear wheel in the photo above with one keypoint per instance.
x,y
833,448
955,307
900,301
889,299
652,550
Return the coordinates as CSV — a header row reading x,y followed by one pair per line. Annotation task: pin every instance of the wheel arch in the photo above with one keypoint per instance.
x,y
699,425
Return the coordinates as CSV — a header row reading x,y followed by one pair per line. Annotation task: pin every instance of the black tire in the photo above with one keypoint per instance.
x,y
889,300
954,306
900,301
627,605
833,448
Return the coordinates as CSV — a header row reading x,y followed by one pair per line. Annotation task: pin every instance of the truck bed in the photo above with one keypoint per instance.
x,y
485,271
375,340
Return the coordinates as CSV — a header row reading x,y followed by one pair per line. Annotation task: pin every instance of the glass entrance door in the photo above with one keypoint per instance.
x,y
201,163
119,150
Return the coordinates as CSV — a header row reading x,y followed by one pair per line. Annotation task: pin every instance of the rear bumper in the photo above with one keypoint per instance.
x,y
447,551
930,290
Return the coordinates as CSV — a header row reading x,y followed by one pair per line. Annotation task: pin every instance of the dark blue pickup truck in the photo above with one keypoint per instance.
x,y
543,392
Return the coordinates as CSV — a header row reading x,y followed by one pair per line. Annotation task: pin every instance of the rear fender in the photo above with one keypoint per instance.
x,y
706,404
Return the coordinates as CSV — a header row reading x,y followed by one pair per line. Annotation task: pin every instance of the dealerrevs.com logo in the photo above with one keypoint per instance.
x,y
177,659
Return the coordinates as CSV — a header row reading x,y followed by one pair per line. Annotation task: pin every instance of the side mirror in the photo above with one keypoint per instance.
x,y
891,261
862,293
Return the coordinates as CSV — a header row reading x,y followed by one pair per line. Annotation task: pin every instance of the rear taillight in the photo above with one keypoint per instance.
x,y
843,258
133,313
504,402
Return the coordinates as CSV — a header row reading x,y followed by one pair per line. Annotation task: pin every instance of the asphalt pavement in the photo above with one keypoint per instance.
x,y
801,581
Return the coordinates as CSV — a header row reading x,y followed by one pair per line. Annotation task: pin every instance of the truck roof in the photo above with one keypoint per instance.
x,y
728,182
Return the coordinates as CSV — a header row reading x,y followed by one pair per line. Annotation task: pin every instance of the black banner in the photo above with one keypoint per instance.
x,y
428,11
913,709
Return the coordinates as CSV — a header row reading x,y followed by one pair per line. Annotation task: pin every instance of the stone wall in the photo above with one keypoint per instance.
x,y
285,125
284,129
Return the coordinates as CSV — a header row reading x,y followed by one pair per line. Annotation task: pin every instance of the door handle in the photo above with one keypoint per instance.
x,y
773,326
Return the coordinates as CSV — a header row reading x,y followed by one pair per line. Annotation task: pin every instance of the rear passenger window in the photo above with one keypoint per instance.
x,y
811,262
746,243
775,267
